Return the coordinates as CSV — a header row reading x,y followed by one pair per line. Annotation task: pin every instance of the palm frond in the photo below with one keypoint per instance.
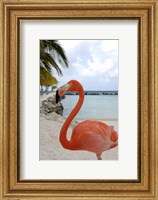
x,y
52,55
49,62
54,45
46,79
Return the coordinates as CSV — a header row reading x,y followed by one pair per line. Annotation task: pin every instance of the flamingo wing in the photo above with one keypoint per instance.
x,y
92,136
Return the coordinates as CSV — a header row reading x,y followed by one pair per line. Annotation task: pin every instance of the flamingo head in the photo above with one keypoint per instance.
x,y
71,86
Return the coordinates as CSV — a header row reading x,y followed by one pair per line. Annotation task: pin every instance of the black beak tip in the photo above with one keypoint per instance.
x,y
57,97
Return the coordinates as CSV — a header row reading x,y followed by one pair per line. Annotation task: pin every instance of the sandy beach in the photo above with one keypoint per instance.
x,y
50,147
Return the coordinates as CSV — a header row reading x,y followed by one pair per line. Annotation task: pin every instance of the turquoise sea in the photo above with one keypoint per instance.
x,y
94,106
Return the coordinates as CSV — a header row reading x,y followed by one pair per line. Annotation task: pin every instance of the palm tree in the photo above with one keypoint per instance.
x,y
46,79
52,55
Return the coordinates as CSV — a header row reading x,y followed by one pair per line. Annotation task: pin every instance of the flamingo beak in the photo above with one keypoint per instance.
x,y
57,96
60,92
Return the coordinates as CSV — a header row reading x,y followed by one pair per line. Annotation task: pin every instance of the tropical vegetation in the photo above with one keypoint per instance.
x,y
52,56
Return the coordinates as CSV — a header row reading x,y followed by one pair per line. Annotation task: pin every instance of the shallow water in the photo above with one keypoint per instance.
x,y
94,106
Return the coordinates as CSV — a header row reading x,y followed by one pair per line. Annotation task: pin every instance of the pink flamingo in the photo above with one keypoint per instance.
x,y
89,135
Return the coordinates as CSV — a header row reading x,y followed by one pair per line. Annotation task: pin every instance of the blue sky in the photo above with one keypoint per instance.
x,y
92,62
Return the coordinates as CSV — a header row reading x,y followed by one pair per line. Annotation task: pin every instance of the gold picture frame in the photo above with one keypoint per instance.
x,y
146,187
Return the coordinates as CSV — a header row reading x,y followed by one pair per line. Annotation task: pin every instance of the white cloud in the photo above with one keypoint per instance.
x,y
93,62
69,44
96,68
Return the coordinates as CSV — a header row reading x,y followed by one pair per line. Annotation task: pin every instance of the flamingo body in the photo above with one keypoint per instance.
x,y
93,136
89,135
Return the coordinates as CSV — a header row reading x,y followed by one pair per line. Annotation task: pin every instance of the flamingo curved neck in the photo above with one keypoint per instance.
x,y
63,139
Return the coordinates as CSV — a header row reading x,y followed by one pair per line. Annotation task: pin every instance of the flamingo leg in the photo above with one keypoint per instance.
x,y
99,157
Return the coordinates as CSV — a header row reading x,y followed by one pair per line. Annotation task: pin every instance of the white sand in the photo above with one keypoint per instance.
x,y
50,147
